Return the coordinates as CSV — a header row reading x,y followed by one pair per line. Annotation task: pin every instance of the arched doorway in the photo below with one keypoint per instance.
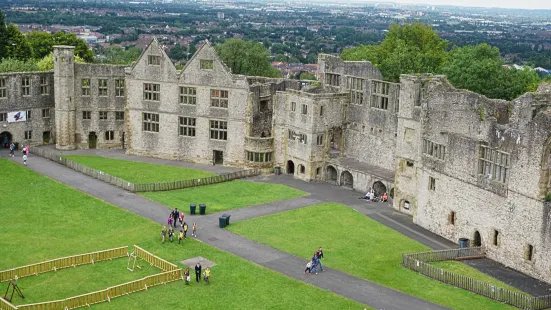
x,y
477,240
290,167
301,169
347,179
92,140
5,139
379,188
332,174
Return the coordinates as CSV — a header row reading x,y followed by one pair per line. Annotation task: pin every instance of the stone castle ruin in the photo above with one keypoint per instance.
x,y
463,165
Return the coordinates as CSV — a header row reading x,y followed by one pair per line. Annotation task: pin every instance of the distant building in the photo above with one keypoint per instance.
x,y
220,15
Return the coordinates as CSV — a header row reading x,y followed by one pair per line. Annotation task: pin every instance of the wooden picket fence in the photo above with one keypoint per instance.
x,y
419,262
168,186
170,273
60,263
143,187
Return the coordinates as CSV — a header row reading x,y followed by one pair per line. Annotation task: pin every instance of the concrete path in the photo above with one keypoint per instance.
x,y
351,287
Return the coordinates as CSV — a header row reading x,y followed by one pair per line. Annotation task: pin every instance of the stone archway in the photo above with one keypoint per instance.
x,y
6,138
290,167
346,179
332,174
477,240
379,188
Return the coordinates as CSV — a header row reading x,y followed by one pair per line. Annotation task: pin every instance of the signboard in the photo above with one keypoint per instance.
x,y
19,116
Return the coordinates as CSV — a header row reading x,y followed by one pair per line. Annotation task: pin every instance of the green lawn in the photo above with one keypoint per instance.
x,y
225,196
138,172
43,219
359,246
460,268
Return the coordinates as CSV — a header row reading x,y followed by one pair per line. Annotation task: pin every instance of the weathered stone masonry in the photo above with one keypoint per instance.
x,y
462,165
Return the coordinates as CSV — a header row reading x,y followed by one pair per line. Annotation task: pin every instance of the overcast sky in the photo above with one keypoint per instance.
x,y
525,4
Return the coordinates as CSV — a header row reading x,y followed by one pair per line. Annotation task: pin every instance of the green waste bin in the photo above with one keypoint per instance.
x,y
222,221
192,208
202,209
227,217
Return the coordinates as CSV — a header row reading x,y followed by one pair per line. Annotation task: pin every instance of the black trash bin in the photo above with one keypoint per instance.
x,y
277,170
192,208
202,209
463,243
227,217
222,221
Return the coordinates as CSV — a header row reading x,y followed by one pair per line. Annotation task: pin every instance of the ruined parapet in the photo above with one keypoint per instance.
x,y
64,93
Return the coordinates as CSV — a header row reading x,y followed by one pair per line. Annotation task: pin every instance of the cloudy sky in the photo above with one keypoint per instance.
x,y
526,4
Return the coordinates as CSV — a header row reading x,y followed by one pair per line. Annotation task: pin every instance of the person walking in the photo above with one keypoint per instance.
x,y
314,264
182,218
170,234
180,236
308,268
318,260
25,159
194,230
175,216
185,230
320,253
12,149
198,272
163,233
186,274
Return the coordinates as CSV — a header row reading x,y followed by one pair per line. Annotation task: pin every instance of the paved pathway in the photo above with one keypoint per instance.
x,y
351,287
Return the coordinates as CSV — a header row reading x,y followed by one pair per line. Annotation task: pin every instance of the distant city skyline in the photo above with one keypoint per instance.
x,y
506,4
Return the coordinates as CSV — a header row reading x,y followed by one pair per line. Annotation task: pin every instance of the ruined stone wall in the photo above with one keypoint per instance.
x,y
93,102
167,143
449,194
38,99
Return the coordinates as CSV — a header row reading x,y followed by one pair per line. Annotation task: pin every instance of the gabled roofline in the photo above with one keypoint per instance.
x,y
147,48
207,43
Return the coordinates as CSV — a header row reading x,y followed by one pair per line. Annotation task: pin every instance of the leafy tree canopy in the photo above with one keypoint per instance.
x,y
81,48
47,63
413,48
118,56
17,47
246,57
41,43
15,65
3,36
480,69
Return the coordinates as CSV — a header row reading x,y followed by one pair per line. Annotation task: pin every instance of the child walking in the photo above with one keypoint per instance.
x,y
170,234
163,233
308,268
169,222
194,229
25,159
185,230
180,236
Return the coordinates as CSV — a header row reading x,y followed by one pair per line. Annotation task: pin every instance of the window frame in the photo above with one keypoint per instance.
x,y
150,122
85,86
187,126
188,95
103,115
86,115
109,135
218,130
119,88
45,113
151,92
44,86
219,98
118,115
304,109
103,87
26,86
3,88
28,134
206,64
153,60
494,164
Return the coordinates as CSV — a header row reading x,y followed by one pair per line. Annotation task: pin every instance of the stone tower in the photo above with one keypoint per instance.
x,y
65,107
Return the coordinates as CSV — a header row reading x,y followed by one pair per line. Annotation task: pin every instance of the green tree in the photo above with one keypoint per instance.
x,y
18,47
15,65
480,69
118,56
307,76
41,43
413,48
246,57
3,36
178,52
81,48
280,58
47,63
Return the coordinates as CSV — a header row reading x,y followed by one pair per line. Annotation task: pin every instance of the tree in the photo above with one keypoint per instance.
x,y
480,69
41,43
246,57
3,36
15,65
47,63
307,76
178,53
18,47
81,48
413,48
118,56
280,58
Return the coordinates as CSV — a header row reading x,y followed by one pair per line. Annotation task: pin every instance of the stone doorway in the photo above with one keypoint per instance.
x,y
332,174
347,180
290,167
477,240
46,137
379,188
92,140
218,157
5,139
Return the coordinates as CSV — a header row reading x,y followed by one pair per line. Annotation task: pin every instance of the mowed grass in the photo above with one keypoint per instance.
x,y
360,246
225,196
138,172
468,271
75,281
43,219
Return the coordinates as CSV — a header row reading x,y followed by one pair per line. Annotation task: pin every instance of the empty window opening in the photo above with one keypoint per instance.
x,y
318,171
496,238
409,163
405,205
529,252
302,169
432,183
452,218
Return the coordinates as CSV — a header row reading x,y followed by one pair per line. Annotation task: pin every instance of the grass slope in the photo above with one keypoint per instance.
x,y
357,245
225,196
42,219
138,172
